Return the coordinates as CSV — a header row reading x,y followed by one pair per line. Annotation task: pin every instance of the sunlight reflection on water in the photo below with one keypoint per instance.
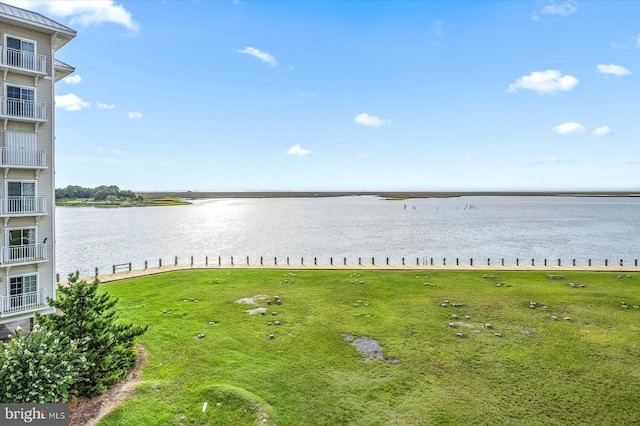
x,y
352,227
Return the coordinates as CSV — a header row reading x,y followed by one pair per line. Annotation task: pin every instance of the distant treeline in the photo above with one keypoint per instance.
x,y
101,193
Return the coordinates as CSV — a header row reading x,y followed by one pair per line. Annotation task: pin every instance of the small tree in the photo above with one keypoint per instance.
x,y
89,319
39,368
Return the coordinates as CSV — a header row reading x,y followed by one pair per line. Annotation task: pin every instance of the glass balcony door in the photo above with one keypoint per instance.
x,y
22,244
22,291
21,101
21,53
21,197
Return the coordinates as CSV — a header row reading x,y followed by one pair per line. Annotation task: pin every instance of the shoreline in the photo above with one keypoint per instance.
x,y
391,195
119,276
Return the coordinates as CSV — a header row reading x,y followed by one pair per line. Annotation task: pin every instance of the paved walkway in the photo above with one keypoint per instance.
x,y
163,269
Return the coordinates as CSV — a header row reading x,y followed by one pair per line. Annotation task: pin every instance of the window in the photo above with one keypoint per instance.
x,y
20,101
21,197
22,290
22,243
21,53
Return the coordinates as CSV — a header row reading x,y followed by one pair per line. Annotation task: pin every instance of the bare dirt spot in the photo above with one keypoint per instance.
x,y
251,300
88,411
369,348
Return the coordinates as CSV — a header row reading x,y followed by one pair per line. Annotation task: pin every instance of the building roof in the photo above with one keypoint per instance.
x,y
62,69
27,17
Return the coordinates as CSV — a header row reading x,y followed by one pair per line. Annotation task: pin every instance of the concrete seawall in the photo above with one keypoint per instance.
x,y
105,278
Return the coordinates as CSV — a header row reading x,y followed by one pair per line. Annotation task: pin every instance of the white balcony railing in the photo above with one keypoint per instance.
x,y
23,302
26,253
23,205
23,109
23,60
18,157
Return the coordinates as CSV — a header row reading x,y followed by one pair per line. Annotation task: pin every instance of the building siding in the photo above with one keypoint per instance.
x,y
44,93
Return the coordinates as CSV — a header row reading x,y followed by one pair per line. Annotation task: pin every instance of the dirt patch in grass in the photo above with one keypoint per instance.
x,y
369,348
251,300
88,411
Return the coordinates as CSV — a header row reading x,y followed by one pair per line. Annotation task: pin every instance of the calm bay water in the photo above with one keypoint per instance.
x,y
467,227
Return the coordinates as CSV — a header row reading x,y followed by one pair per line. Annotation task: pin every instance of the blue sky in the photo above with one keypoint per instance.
x,y
252,95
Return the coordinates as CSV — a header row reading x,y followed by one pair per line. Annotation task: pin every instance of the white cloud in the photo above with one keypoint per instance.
x,y
369,120
72,79
81,12
638,41
297,150
615,45
612,69
549,81
563,8
71,102
105,106
134,115
570,127
552,7
602,131
263,56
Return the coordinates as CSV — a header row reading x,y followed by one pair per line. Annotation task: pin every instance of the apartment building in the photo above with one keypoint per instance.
x,y
29,69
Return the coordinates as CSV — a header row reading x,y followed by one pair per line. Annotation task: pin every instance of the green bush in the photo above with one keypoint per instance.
x,y
88,318
39,368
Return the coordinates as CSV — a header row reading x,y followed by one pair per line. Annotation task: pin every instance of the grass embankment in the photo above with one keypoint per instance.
x,y
89,202
584,370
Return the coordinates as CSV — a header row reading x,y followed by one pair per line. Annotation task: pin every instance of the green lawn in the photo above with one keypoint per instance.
x,y
584,370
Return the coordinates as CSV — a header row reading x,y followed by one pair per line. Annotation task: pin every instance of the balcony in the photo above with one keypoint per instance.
x,y
17,109
23,206
19,158
20,152
20,303
23,254
22,62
